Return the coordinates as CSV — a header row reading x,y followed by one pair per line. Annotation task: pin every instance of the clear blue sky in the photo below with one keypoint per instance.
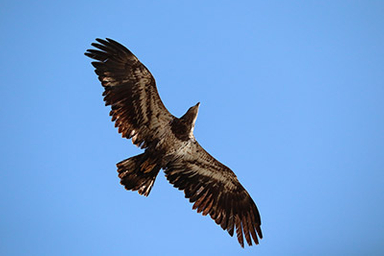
x,y
292,99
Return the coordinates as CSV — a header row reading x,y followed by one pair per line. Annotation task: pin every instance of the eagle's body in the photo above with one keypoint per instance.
x,y
169,144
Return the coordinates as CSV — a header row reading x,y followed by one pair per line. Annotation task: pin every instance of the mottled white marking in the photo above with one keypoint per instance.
x,y
134,138
205,165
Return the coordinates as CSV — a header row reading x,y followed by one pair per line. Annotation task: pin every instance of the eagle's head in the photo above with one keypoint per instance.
x,y
190,117
191,114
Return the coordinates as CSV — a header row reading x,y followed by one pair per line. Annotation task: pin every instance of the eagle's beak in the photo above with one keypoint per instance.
x,y
198,104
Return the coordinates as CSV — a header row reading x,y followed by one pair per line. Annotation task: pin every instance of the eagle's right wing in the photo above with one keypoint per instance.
x,y
215,190
131,91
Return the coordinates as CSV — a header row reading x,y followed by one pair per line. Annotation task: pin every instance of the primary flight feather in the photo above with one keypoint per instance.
x,y
169,143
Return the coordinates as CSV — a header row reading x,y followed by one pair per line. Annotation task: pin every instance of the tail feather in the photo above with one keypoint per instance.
x,y
138,173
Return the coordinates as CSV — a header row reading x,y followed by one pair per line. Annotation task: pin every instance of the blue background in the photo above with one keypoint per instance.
x,y
291,99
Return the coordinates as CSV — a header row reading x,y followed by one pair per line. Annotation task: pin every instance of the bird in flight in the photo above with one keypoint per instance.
x,y
169,143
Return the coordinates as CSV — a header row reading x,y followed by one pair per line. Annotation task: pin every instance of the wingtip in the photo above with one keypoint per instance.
x,y
88,54
102,41
258,229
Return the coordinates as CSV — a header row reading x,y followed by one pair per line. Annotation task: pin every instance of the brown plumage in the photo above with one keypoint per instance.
x,y
169,144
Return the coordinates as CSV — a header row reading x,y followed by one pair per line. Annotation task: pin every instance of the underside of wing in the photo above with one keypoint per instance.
x,y
131,91
215,190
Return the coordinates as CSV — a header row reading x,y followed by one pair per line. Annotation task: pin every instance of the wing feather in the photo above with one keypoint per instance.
x,y
130,90
215,190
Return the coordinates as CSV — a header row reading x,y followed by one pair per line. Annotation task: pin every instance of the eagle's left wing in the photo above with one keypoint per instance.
x,y
131,91
215,190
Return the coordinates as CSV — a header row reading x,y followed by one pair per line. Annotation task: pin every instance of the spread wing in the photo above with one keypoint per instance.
x,y
215,190
131,91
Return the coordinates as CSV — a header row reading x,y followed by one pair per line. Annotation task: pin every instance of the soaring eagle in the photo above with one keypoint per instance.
x,y
169,144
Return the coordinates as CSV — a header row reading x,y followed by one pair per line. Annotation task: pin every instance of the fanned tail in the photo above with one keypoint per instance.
x,y
138,173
